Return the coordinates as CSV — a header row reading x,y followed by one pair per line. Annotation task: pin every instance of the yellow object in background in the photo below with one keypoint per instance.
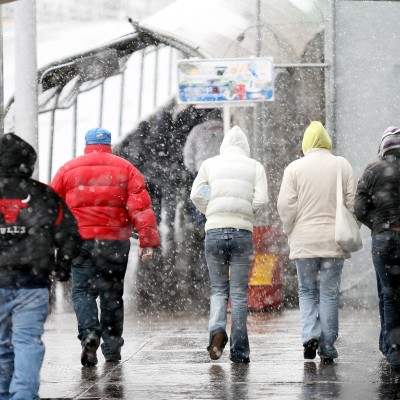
x,y
262,270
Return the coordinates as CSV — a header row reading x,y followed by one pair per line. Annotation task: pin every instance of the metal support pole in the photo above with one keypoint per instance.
x,y
75,128
171,69
155,93
258,24
26,85
1,75
2,112
260,150
51,146
142,58
121,103
101,106
257,141
329,51
227,118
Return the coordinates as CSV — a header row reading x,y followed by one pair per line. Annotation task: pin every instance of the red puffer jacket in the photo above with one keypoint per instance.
x,y
107,196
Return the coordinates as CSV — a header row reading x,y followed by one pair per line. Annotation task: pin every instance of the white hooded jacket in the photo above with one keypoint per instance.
x,y
230,187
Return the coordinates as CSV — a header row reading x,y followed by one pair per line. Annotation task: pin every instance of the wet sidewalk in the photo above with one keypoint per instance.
x,y
164,357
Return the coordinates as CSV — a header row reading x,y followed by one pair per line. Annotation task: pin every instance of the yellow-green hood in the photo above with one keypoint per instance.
x,y
316,137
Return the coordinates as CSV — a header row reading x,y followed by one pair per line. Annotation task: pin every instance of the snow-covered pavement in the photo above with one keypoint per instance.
x,y
165,357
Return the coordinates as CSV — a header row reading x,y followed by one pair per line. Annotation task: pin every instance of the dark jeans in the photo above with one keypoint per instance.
x,y
99,271
163,198
386,259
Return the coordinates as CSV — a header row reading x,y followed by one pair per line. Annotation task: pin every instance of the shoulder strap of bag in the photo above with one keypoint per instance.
x,y
339,190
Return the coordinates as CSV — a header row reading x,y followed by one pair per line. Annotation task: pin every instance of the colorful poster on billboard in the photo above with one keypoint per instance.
x,y
226,80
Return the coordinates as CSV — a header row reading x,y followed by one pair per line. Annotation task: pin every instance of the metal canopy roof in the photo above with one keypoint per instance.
x,y
229,28
206,28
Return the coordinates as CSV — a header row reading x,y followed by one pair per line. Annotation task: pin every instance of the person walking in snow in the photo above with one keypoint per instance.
x,y
108,197
38,238
377,206
307,207
229,188
203,142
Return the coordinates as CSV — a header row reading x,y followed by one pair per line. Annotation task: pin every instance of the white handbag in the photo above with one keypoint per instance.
x,y
347,229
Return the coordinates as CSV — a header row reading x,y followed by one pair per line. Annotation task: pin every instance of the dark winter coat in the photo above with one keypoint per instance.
x,y
155,147
377,201
151,148
204,141
108,197
35,223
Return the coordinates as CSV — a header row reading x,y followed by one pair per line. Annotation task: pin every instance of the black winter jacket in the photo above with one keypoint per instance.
x,y
38,234
377,200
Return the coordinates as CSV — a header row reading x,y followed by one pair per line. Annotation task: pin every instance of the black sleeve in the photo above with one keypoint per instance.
x,y
363,205
67,240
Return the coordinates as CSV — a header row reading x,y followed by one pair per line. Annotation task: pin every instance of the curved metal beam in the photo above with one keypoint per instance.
x,y
60,72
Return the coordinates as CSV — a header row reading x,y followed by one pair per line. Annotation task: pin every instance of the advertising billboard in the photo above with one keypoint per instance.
x,y
226,80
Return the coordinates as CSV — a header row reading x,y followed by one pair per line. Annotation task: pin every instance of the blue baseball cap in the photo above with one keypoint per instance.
x,y
98,136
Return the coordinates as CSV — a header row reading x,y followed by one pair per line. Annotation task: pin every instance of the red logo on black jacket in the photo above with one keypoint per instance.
x,y
10,208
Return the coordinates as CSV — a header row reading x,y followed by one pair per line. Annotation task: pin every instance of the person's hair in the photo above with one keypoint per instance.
x,y
215,113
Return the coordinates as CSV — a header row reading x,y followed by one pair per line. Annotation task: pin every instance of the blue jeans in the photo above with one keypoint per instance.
x,y
319,289
23,313
229,253
99,271
386,260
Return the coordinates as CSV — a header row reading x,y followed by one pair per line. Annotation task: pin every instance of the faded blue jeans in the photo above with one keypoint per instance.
x,y
23,313
386,260
229,249
99,272
319,289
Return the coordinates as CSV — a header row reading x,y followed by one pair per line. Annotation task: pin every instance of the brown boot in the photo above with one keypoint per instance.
x,y
217,345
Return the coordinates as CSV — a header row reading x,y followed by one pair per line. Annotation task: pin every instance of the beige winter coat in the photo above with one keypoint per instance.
x,y
307,203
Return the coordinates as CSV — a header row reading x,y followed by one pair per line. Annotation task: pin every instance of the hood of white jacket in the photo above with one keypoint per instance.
x,y
235,139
